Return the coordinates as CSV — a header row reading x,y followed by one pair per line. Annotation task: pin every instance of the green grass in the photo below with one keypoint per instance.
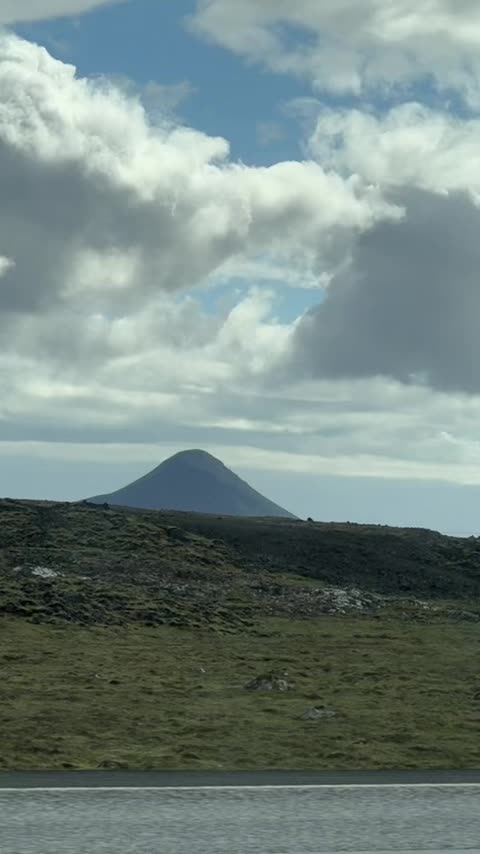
x,y
73,696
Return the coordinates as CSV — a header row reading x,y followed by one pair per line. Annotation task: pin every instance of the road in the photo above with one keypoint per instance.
x,y
225,779
240,813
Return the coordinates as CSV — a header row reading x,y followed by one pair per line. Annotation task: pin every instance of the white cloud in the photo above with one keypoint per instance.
x,y
410,145
15,11
104,212
6,264
352,45
136,207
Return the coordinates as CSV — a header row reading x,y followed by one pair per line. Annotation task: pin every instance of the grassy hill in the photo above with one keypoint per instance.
x,y
127,639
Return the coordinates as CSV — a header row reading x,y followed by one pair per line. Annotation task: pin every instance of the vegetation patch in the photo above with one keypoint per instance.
x,y
163,697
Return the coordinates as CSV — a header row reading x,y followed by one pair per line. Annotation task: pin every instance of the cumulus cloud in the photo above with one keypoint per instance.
x,y
100,205
407,307
410,145
16,11
349,46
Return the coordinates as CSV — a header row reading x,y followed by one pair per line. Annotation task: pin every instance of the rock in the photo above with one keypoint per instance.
x,y
177,534
319,713
112,764
271,682
45,572
351,600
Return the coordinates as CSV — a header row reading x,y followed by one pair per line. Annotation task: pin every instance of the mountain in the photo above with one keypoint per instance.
x,y
194,481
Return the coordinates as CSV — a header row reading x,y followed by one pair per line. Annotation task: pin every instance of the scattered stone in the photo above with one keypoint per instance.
x,y
44,572
338,601
271,682
37,571
319,713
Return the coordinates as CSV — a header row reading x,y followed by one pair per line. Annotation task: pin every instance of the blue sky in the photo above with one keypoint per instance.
x,y
171,305
149,41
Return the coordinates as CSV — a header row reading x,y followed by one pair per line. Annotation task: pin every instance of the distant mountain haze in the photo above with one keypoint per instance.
x,y
194,481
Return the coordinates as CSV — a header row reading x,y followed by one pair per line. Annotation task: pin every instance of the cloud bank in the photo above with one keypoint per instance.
x,y
107,220
352,46
115,225
17,11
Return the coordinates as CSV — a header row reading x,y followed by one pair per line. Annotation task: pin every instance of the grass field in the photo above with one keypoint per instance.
x,y
165,697
127,638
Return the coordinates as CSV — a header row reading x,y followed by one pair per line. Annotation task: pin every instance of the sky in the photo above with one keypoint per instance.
x,y
249,227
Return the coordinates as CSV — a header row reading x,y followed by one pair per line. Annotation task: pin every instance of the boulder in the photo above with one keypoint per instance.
x,y
319,713
178,534
271,682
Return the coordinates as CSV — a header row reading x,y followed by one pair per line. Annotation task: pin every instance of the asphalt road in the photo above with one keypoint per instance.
x,y
220,779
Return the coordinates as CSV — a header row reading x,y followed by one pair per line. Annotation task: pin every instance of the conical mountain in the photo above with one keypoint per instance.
x,y
194,481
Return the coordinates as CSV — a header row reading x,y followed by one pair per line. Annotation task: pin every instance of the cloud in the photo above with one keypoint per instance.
x,y
269,132
410,145
405,305
16,11
364,428
164,99
109,218
351,46
112,224
6,264
408,305
103,207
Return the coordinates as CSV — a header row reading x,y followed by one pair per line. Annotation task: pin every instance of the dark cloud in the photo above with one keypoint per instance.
x,y
409,306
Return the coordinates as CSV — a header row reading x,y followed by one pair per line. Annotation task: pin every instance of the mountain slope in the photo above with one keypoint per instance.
x,y
193,481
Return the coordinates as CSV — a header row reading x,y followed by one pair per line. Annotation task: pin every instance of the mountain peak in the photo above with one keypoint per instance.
x,y
194,481
194,455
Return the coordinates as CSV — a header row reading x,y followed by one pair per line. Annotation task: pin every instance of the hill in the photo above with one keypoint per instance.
x,y
193,481
173,560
